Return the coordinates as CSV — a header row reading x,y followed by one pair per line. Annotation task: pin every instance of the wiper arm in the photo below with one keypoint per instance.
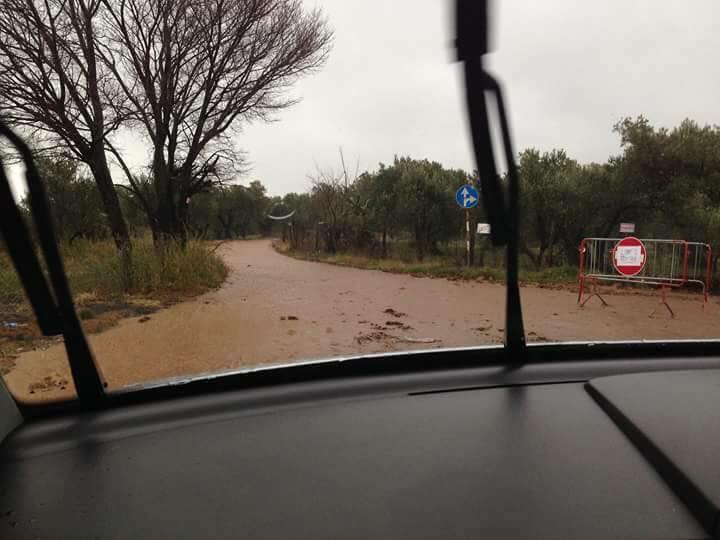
x,y
19,245
472,43
52,302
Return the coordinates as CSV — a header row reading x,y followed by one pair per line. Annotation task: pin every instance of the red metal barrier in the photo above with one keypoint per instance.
x,y
667,264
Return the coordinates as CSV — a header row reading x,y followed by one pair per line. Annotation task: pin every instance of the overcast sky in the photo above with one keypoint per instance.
x,y
570,69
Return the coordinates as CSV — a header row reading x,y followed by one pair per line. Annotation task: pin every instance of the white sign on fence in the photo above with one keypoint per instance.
x,y
483,228
627,227
629,256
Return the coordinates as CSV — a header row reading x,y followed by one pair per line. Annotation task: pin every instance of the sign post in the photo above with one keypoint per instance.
x,y
467,237
467,197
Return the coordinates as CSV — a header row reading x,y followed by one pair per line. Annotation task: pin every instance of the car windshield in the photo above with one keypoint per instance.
x,y
238,185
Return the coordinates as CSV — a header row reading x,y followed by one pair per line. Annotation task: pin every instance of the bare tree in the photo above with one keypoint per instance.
x,y
330,194
53,86
192,70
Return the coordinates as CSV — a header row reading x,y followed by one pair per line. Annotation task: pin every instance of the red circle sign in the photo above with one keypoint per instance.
x,y
629,256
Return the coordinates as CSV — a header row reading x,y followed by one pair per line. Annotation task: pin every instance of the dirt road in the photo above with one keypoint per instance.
x,y
277,309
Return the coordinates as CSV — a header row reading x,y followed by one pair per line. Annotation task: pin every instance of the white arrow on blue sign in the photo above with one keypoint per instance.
x,y
467,196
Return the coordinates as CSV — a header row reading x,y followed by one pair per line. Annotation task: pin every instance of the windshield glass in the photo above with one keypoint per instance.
x,y
238,185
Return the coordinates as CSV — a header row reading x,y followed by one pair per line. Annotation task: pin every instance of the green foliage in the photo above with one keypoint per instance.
x,y
304,221
10,288
191,268
428,202
667,181
414,197
74,200
95,267
546,187
86,314
232,211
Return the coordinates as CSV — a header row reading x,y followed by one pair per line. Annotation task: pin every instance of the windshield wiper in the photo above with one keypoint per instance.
x,y
472,44
51,301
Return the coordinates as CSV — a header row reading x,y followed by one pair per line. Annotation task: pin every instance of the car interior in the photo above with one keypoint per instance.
x,y
547,440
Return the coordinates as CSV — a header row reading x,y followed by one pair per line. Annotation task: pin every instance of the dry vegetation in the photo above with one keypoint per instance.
x,y
160,277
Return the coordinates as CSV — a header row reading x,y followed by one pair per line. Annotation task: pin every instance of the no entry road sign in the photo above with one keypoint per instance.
x,y
629,256
467,196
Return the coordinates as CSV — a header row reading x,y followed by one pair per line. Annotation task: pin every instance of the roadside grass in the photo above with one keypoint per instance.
x,y
10,289
438,267
95,268
159,278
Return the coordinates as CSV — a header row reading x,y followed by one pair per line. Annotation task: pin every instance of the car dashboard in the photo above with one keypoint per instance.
x,y
588,449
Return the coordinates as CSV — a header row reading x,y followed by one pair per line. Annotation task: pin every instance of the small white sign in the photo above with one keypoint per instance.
x,y
483,228
627,227
629,256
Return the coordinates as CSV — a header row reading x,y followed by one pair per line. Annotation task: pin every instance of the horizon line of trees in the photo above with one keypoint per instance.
x,y
667,181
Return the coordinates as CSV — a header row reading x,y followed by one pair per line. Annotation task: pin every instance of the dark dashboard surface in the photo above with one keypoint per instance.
x,y
675,418
523,461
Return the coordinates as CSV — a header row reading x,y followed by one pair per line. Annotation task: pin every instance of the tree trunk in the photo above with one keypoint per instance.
x,y
111,202
534,257
419,242
571,252
384,243
227,226
181,216
541,256
98,160
111,205
330,246
293,240
168,215
163,210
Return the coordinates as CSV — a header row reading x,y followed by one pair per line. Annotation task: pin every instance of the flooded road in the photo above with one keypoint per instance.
x,y
276,309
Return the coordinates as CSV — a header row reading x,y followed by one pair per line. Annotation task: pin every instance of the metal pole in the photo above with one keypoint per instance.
x,y
708,272
581,271
672,264
654,266
467,236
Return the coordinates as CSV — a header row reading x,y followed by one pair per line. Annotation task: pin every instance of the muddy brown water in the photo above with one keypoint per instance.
x,y
276,309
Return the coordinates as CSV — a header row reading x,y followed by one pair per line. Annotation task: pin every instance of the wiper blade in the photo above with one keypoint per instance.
x,y
19,246
472,43
52,302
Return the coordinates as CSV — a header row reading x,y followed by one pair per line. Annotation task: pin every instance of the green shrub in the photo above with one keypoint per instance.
x,y
191,268
95,267
11,291
86,313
